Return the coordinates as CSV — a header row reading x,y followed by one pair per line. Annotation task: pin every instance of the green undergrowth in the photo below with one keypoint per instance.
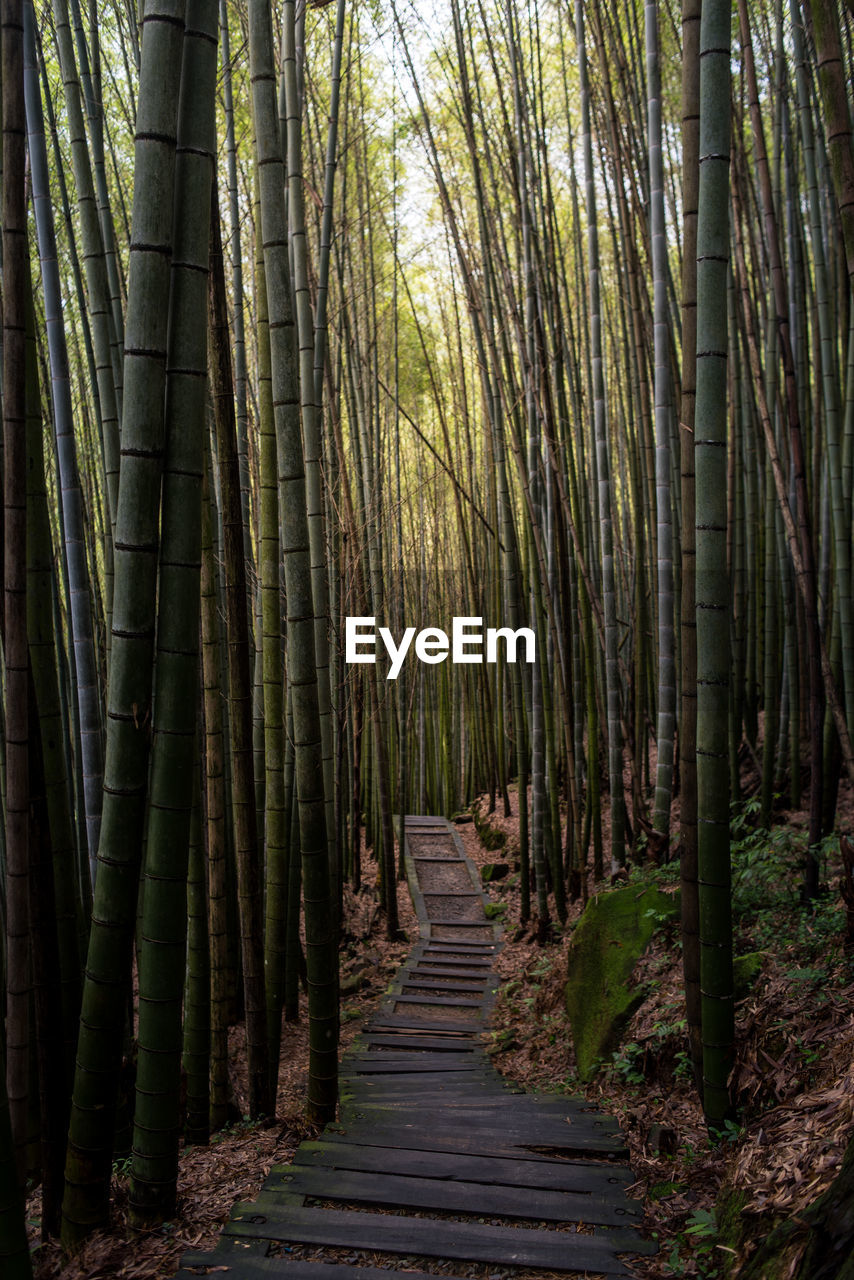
x,y
794,985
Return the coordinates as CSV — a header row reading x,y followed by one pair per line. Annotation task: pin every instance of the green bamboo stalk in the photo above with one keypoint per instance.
x,y
244,817
196,1050
162,949
15,289
310,408
712,585
321,955
86,1202
216,826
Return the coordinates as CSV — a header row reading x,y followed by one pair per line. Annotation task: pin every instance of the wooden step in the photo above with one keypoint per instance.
x,y
565,1251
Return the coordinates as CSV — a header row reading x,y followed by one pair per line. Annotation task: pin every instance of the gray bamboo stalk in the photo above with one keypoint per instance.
x,y
236,251
312,448
100,311
320,321
798,462
606,534
95,116
71,506
829,372
663,408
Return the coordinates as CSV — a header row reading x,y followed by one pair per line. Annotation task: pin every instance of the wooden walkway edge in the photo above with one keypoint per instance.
x,y
435,1155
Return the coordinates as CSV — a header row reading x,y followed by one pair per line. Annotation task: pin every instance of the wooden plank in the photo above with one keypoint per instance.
x,y
441,983
437,857
416,1065
452,930
463,946
416,1072
229,1251
299,1269
445,1044
441,989
550,1109
443,923
479,1111
403,1192
408,1099
451,893
521,1171
471,1241
463,1001
394,1062
451,965
394,1021
475,1141
433,1090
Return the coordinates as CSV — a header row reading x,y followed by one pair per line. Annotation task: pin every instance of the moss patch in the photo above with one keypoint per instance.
x,y
728,1213
490,837
610,938
745,971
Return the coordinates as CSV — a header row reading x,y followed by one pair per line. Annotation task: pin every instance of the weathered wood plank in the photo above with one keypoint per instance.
x,y
229,1251
413,1061
471,1241
437,857
478,1140
391,1022
549,1109
432,1091
452,893
441,946
485,1114
449,1044
298,1269
463,1001
409,1192
469,972
522,1170
407,980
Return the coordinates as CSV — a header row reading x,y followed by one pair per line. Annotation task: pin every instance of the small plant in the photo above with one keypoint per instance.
x,y
695,1250
628,1063
732,1132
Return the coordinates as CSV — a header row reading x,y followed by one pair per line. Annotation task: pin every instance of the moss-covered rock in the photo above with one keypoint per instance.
x,y
745,971
728,1214
611,936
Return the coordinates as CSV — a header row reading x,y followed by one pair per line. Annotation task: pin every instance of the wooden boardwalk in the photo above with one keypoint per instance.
x,y
435,1156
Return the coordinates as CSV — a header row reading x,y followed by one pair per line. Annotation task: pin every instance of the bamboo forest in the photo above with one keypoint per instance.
x,y
427,637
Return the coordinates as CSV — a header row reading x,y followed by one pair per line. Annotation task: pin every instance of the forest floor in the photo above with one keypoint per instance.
x,y
240,1156
794,1075
793,1079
